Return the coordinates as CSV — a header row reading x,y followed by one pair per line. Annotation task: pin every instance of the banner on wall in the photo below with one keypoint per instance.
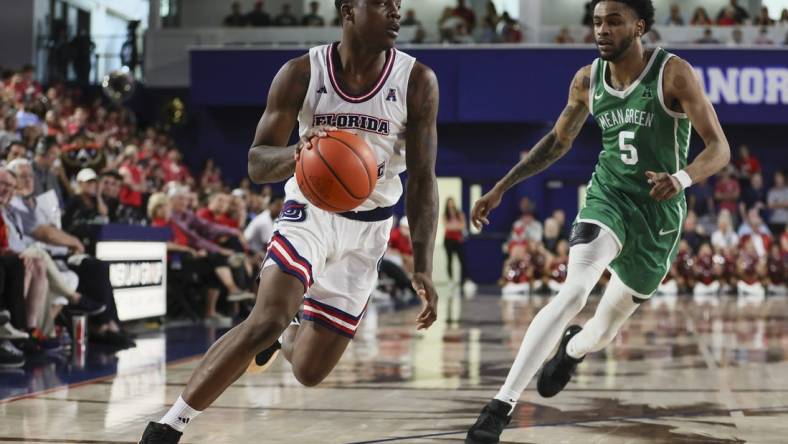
x,y
514,84
138,274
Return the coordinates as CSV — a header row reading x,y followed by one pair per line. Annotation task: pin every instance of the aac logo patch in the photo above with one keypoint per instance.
x,y
293,211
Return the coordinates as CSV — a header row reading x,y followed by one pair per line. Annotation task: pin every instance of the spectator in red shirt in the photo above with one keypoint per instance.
x,y
216,211
747,164
134,180
400,248
174,170
466,14
727,17
727,191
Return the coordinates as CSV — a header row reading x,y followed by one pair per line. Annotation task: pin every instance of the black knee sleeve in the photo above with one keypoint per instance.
x,y
583,233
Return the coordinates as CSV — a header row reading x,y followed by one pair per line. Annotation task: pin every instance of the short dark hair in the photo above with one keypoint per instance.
x,y
643,8
113,174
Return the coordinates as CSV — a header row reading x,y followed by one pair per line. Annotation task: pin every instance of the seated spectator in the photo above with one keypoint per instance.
x,y
727,191
258,17
763,37
746,163
552,235
510,32
700,200
174,170
87,207
236,17
557,266
707,273
724,237
763,19
36,285
400,250
733,13
216,211
675,18
784,16
313,18
708,38
727,17
517,273
753,196
777,270
46,155
700,17
754,232
109,187
7,133
526,228
16,150
260,230
777,200
237,210
751,271
286,17
564,36
410,19
93,274
693,233
466,14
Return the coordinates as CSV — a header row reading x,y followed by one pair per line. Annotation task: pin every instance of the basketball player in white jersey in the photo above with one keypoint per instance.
x,y
329,261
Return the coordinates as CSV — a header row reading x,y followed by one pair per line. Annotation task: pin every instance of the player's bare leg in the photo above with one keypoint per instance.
x,y
313,351
278,300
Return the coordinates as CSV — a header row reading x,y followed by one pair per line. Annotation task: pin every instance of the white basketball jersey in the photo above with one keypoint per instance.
x,y
379,116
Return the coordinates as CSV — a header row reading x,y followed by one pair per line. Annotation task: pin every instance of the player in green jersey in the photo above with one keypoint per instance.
x,y
645,102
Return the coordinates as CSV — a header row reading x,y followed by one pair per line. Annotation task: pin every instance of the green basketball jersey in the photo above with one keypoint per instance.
x,y
639,132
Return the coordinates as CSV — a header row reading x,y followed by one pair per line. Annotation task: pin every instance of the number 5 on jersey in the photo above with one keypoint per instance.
x,y
629,154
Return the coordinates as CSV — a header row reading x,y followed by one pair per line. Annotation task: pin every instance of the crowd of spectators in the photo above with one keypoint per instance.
x,y
257,17
734,240
456,24
69,162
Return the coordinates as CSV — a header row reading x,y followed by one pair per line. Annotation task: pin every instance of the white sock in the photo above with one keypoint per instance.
x,y
587,262
613,310
180,415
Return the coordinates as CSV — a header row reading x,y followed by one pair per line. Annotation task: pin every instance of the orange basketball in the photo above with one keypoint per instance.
x,y
339,173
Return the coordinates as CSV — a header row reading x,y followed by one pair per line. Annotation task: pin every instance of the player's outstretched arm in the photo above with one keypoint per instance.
x,y
552,147
682,87
270,159
421,201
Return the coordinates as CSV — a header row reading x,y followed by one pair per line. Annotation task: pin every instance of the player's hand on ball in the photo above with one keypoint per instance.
x,y
664,186
483,206
305,143
424,287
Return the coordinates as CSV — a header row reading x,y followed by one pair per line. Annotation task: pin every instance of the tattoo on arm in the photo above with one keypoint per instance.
x,y
559,140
